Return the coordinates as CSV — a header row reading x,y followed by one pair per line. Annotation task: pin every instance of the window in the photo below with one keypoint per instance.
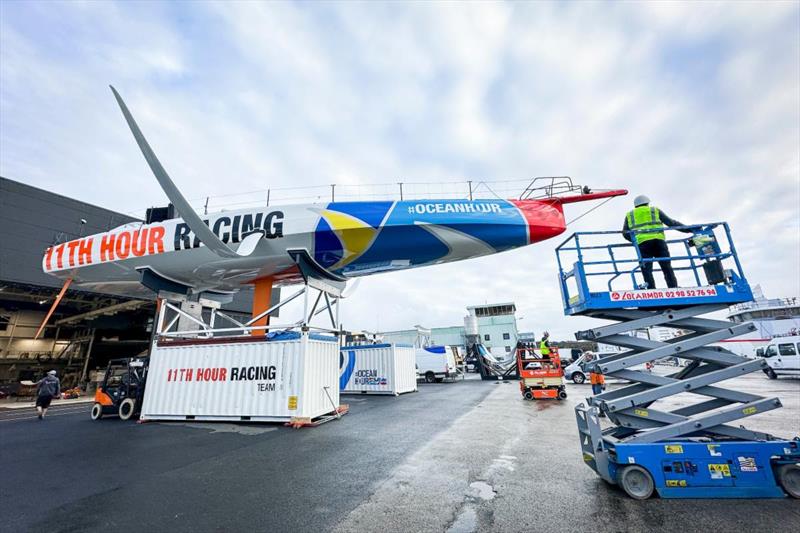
x,y
5,321
506,336
118,376
487,337
771,351
494,310
508,349
786,349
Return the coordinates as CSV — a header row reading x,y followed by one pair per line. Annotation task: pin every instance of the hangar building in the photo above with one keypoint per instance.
x,y
87,328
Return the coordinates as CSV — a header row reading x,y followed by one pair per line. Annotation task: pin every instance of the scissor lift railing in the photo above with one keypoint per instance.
x,y
595,274
637,411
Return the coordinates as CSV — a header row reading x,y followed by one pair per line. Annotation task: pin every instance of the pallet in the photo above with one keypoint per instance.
x,y
302,422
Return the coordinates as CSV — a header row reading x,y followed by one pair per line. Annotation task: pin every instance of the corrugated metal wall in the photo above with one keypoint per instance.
x,y
447,336
405,369
406,336
320,372
33,219
256,380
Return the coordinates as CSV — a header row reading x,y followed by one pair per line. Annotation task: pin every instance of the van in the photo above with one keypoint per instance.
x,y
575,371
783,356
435,363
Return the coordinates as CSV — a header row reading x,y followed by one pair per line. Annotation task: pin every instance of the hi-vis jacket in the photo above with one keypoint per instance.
x,y
661,219
544,348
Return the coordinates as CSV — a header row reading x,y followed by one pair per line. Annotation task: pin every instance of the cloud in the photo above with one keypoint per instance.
x,y
695,104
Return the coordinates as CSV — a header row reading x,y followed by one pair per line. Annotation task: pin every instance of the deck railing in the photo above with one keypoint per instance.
x,y
523,189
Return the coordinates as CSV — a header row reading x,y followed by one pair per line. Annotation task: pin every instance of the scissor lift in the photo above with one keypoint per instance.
x,y
678,447
540,378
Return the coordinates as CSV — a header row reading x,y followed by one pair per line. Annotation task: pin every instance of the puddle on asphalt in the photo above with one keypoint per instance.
x,y
482,490
466,522
467,519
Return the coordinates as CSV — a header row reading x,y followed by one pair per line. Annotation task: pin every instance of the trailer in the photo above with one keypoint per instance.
x,y
694,450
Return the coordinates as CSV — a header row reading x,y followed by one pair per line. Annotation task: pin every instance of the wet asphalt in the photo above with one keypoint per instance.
x,y
457,457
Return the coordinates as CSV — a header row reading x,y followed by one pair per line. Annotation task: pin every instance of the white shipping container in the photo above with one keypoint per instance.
x,y
242,379
378,369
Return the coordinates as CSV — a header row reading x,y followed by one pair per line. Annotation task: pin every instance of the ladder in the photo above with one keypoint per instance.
x,y
685,446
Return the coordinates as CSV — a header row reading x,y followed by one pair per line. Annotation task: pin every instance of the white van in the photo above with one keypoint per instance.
x,y
783,356
575,371
435,363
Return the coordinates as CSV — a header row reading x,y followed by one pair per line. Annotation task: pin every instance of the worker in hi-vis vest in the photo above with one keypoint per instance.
x,y
652,242
544,345
597,379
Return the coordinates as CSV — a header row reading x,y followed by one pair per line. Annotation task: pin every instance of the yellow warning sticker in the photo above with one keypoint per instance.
x,y
640,412
673,448
718,471
750,410
588,458
712,449
292,403
676,483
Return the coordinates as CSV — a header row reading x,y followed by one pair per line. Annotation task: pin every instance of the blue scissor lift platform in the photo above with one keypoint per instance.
x,y
678,447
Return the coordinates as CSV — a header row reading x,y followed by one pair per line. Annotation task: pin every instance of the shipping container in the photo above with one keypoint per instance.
x,y
243,379
377,369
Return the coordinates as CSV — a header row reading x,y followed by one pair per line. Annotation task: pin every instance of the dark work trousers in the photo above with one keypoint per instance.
x,y
656,248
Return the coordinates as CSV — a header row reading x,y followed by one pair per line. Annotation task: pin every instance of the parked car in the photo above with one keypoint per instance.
x,y
783,357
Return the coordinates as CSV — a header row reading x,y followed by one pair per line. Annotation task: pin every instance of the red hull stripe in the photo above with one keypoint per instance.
x,y
545,219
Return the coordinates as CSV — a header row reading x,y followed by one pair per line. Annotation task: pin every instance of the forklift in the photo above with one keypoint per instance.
x,y
540,378
122,390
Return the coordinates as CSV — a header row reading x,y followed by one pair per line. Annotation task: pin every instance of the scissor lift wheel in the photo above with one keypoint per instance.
x,y
789,478
528,395
636,482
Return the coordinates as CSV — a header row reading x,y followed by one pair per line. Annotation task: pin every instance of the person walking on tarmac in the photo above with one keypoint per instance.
x,y
47,388
544,345
652,243
597,379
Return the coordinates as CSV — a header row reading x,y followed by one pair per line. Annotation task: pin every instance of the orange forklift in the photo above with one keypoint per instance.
x,y
122,390
540,377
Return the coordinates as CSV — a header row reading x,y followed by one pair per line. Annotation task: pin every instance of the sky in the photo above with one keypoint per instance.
x,y
696,104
